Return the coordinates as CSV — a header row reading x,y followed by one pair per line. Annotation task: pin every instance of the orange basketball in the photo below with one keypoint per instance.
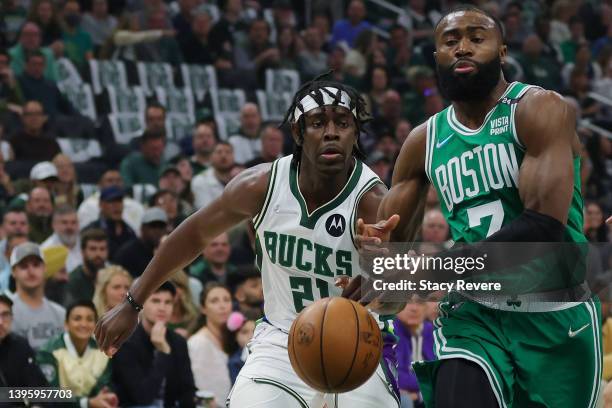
x,y
335,345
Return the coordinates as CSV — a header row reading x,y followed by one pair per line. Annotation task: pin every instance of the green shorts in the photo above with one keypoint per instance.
x,y
532,359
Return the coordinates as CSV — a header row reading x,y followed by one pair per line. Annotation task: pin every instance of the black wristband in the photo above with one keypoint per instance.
x,y
133,302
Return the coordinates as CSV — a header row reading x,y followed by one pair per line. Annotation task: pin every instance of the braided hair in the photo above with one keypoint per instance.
x,y
315,89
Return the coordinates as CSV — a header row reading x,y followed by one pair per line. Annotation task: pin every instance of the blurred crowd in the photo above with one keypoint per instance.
x,y
119,119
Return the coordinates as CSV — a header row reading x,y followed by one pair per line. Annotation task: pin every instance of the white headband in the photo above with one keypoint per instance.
x,y
309,103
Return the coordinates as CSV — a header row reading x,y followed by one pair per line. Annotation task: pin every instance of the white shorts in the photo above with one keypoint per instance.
x,y
268,380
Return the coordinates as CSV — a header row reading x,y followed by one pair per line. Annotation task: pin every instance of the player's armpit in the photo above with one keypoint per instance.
x,y
409,187
546,124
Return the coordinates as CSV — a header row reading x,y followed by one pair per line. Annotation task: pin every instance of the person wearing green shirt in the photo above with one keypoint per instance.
x,y
144,166
29,41
77,42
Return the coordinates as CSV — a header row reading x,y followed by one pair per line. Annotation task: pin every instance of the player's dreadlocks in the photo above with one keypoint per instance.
x,y
315,89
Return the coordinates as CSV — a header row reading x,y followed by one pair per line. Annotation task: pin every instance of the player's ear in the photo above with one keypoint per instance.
x,y
503,52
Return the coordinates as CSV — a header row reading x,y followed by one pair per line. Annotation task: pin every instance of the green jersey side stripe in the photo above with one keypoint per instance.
x,y
269,190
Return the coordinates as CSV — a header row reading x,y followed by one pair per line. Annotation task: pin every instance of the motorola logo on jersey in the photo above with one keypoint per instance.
x,y
335,225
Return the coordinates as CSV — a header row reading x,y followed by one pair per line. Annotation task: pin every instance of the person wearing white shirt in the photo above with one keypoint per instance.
x,y
246,143
89,210
66,233
208,185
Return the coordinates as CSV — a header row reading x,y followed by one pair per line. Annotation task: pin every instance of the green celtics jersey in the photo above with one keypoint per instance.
x,y
476,171
300,253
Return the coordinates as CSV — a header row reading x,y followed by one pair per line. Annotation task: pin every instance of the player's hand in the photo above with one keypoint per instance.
x,y
104,399
115,327
609,220
369,236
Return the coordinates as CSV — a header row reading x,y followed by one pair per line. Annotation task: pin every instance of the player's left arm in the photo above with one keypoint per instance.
x,y
546,125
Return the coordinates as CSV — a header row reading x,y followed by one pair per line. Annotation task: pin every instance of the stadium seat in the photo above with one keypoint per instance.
x,y
80,150
154,74
107,73
126,99
67,73
126,126
82,98
199,78
227,104
177,101
282,80
273,106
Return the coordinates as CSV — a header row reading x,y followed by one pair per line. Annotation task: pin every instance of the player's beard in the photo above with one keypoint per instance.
x,y
471,87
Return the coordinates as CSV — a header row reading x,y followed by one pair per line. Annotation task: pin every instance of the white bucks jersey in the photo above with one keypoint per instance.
x,y
300,253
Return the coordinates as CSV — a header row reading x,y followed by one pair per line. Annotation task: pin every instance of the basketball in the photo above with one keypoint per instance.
x,y
334,345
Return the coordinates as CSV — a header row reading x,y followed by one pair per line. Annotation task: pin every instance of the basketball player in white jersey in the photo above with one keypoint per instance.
x,y
304,208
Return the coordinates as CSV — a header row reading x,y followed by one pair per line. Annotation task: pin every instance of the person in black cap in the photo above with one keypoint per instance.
x,y
136,254
111,221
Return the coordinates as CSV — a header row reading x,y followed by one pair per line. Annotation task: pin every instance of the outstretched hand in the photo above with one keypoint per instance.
x,y
115,327
609,220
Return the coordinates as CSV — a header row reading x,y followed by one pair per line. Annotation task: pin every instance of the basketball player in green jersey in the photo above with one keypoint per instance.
x,y
304,209
504,160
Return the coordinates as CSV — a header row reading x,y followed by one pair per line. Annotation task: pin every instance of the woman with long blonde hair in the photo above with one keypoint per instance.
x,y
112,285
184,314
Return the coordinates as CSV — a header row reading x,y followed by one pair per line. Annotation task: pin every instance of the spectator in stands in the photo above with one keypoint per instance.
x,y
112,284
246,143
78,46
381,165
7,285
184,313
40,211
163,49
67,189
208,185
247,292
184,18
82,279
65,225
420,20
194,42
224,33
570,46
415,344
43,174
243,328
89,210
377,84
17,359
515,31
390,113
579,88
549,49
356,61
169,202
335,61
72,360
143,167
595,229
11,97
312,60
33,142
435,227
43,13
14,221
111,221
29,42
400,52
402,130
271,146
57,275
135,255
170,179
346,30
36,87
210,346
258,53
152,367
203,143
99,24
35,317
584,63
289,46
214,266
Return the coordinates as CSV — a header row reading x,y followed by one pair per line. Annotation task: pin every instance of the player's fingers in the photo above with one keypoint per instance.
x,y
352,286
342,281
609,220
391,223
360,230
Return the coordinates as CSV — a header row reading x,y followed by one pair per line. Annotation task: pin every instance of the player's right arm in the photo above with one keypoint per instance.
x,y
242,199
